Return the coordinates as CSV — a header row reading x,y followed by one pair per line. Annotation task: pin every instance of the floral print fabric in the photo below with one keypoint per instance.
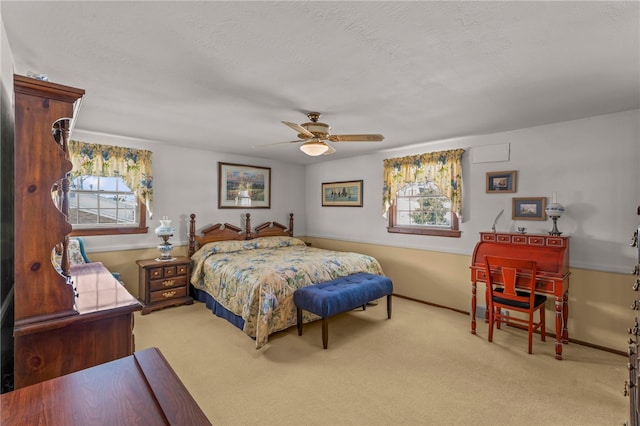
x,y
133,165
257,281
444,168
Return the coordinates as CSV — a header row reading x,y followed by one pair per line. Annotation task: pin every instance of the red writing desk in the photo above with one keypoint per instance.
x,y
551,254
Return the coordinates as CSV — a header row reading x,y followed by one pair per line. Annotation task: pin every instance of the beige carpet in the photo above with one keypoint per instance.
x,y
422,367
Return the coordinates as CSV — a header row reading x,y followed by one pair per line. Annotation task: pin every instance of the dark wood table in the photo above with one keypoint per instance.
x,y
141,389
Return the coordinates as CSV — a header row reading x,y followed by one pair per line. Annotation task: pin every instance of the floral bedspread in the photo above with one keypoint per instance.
x,y
255,279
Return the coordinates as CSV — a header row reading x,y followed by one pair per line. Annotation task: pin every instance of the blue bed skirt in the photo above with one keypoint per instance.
x,y
217,308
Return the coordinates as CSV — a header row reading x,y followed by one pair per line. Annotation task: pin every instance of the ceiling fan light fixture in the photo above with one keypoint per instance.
x,y
314,148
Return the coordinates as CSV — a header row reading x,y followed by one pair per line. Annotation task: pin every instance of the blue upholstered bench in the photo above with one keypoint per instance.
x,y
341,295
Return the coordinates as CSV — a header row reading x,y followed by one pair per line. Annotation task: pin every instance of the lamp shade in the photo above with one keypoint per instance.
x,y
554,210
314,148
165,227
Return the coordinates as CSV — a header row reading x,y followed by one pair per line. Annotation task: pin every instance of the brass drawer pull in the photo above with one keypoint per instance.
x,y
169,294
168,283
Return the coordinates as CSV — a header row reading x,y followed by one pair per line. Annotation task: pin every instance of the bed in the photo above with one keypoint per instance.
x,y
248,276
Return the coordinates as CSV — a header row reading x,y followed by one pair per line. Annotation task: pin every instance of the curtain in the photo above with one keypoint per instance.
x,y
133,165
443,168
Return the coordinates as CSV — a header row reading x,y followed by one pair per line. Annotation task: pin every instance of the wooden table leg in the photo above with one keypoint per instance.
x,y
473,307
565,315
559,323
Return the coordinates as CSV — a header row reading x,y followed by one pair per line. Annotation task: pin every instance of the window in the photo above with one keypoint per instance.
x,y
110,189
422,204
423,193
101,201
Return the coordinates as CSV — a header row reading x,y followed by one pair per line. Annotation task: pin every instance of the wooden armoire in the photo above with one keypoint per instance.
x,y
65,318
632,386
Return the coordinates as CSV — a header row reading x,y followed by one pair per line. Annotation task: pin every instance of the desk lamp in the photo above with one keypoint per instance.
x,y
554,210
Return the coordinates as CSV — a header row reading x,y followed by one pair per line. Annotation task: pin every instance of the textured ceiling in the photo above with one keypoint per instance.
x,y
222,75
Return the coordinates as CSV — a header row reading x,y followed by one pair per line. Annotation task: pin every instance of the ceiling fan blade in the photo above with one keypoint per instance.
x,y
277,143
356,138
301,130
331,149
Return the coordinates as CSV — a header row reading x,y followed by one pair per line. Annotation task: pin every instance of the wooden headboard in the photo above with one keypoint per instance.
x,y
226,231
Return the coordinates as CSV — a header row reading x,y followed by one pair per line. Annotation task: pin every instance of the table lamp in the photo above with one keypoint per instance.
x,y
554,210
165,231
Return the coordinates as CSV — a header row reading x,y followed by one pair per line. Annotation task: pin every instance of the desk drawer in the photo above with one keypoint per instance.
x,y
555,242
519,239
546,286
536,241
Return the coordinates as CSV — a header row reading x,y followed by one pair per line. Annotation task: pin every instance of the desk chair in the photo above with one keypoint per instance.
x,y
502,275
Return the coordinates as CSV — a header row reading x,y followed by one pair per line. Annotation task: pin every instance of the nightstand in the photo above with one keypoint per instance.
x,y
163,283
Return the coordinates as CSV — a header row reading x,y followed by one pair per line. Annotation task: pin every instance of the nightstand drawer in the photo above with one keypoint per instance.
x,y
182,269
168,282
167,271
172,293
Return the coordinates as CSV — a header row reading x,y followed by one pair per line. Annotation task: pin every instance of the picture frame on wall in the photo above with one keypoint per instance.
x,y
529,208
501,181
241,186
342,194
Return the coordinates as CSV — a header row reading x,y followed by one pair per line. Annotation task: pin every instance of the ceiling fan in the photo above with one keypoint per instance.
x,y
317,135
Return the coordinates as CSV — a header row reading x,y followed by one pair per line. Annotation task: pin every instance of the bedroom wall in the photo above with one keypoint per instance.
x,y
592,164
186,181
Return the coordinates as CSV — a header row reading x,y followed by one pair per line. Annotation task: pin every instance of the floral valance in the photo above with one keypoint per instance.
x,y
443,168
133,165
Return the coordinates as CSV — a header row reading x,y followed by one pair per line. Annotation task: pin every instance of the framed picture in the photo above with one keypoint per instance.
x,y
501,181
531,208
342,194
243,187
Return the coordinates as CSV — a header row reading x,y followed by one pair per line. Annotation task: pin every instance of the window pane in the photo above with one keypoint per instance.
x,y
422,204
102,201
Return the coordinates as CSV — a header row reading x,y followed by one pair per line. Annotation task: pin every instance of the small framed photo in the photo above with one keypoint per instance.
x,y
501,181
243,187
342,194
531,208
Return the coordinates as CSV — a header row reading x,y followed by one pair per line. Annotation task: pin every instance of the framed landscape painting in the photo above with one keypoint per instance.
x,y
342,194
243,187
531,208
501,181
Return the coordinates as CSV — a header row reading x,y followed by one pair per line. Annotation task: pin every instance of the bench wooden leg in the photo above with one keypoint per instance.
x,y
299,313
325,332
389,306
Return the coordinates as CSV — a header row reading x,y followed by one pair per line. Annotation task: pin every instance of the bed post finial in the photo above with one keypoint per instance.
x,y
291,224
192,234
247,226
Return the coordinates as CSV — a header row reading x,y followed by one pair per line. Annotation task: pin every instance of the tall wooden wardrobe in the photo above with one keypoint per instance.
x,y
65,319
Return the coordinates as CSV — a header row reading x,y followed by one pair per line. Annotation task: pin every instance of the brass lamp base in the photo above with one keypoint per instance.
x,y
554,231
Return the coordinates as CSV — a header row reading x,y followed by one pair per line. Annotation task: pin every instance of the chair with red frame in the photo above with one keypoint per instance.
x,y
502,275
